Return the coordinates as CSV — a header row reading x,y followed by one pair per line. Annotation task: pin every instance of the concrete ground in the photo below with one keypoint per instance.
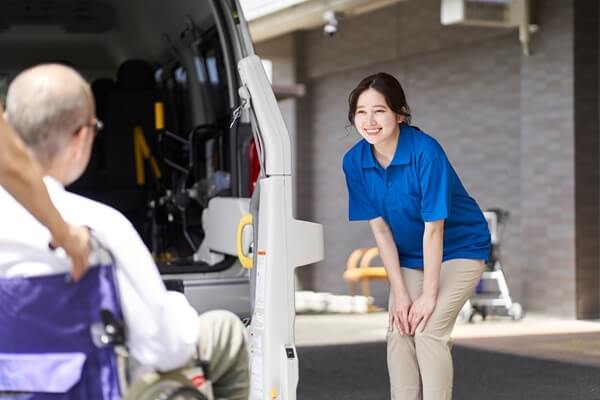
x,y
536,336
344,357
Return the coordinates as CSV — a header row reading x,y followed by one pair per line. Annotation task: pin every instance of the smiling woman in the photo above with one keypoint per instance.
x,y
432,236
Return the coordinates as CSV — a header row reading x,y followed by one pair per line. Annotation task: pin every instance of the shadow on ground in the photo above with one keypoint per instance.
x,y
358,371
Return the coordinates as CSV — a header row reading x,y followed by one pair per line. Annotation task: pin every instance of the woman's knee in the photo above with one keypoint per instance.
x,y
425,341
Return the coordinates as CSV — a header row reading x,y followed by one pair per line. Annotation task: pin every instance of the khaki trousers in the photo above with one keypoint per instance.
x,y
420,366
222,345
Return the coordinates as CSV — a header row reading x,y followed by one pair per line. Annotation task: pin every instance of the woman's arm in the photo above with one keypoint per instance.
x,y
401,301
22,178
433,242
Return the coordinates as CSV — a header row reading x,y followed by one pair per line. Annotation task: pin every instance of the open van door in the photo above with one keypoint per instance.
x,y
280,242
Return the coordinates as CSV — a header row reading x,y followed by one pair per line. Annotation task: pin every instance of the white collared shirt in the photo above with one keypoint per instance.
x,y
162,325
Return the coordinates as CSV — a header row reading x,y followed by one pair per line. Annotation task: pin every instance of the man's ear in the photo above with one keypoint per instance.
x,y
77,142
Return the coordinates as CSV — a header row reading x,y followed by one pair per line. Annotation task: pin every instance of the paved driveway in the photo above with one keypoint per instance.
x,y
343,357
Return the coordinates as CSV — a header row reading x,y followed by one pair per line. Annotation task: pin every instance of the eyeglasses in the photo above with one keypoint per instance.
x,y
96,125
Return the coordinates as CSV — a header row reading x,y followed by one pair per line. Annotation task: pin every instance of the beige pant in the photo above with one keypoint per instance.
x,y
222,345
420,366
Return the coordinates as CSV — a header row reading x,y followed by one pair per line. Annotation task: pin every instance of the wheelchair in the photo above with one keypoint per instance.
x,y
62,340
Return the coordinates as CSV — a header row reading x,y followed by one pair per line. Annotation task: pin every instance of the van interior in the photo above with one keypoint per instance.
x,y
164,78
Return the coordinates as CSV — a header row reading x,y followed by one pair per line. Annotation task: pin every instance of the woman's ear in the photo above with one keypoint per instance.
x,y
402,115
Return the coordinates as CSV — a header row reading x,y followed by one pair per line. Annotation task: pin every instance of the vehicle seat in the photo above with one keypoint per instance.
x,y
95,180
111,175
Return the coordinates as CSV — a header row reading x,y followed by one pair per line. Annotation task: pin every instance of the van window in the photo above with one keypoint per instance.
x,y
137,54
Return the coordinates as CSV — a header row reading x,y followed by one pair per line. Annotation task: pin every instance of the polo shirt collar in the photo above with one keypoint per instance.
x,y
403,150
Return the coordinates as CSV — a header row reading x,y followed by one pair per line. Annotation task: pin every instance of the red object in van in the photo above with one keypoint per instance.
x,y
253,167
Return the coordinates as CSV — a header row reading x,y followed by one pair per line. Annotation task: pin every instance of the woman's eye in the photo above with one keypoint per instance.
x,y
379,111
360,112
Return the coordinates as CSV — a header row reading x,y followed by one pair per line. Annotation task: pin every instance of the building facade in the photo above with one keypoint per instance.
x,y
521,131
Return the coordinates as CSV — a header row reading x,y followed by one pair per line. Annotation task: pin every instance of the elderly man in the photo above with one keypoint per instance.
x,y
51,108
21,177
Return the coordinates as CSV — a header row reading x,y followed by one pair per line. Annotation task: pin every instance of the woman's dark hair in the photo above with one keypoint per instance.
x,y
385,84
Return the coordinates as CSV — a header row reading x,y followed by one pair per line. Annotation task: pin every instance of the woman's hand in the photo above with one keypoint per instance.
x,y
398,313
420,312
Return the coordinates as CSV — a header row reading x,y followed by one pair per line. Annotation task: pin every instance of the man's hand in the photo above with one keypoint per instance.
x,y
76,243
420,312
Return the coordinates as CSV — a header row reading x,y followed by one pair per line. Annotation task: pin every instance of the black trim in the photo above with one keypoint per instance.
x,y
188,266
175,285
236,189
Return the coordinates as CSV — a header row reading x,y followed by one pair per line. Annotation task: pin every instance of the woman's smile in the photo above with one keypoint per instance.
x,y
372,131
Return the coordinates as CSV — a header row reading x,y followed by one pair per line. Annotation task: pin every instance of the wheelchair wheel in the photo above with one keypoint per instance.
x,y
171,386
186,393
465,312
516,312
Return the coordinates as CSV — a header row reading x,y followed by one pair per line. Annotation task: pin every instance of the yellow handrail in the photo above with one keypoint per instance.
x,y
159,116
244,259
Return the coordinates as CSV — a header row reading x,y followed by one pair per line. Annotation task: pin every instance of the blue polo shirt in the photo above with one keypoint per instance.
x,y
418,186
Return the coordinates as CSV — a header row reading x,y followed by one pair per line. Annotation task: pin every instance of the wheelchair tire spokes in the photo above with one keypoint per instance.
x,y
186,393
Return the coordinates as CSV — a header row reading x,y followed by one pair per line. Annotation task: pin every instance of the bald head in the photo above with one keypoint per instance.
x,y
45,105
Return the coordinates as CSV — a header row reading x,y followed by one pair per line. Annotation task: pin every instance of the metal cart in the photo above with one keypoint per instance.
x,y
492,295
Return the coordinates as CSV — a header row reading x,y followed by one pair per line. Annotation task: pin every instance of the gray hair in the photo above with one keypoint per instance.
x,y
46,105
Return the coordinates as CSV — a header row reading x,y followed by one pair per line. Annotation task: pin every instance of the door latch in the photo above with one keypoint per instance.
x,y
245,104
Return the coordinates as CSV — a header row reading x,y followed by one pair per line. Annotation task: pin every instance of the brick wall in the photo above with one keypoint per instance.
x,y
547,147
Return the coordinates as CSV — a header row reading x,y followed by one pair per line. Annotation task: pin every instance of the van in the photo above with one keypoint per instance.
x,y
194,152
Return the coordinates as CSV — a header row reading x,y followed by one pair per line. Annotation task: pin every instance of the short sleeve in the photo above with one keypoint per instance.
x,y
359,205
435,175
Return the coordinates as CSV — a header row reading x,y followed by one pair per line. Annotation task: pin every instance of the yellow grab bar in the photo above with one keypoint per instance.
x,y
244,259
159,116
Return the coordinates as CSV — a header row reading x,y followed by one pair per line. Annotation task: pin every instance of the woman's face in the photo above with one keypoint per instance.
x,y
374,119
